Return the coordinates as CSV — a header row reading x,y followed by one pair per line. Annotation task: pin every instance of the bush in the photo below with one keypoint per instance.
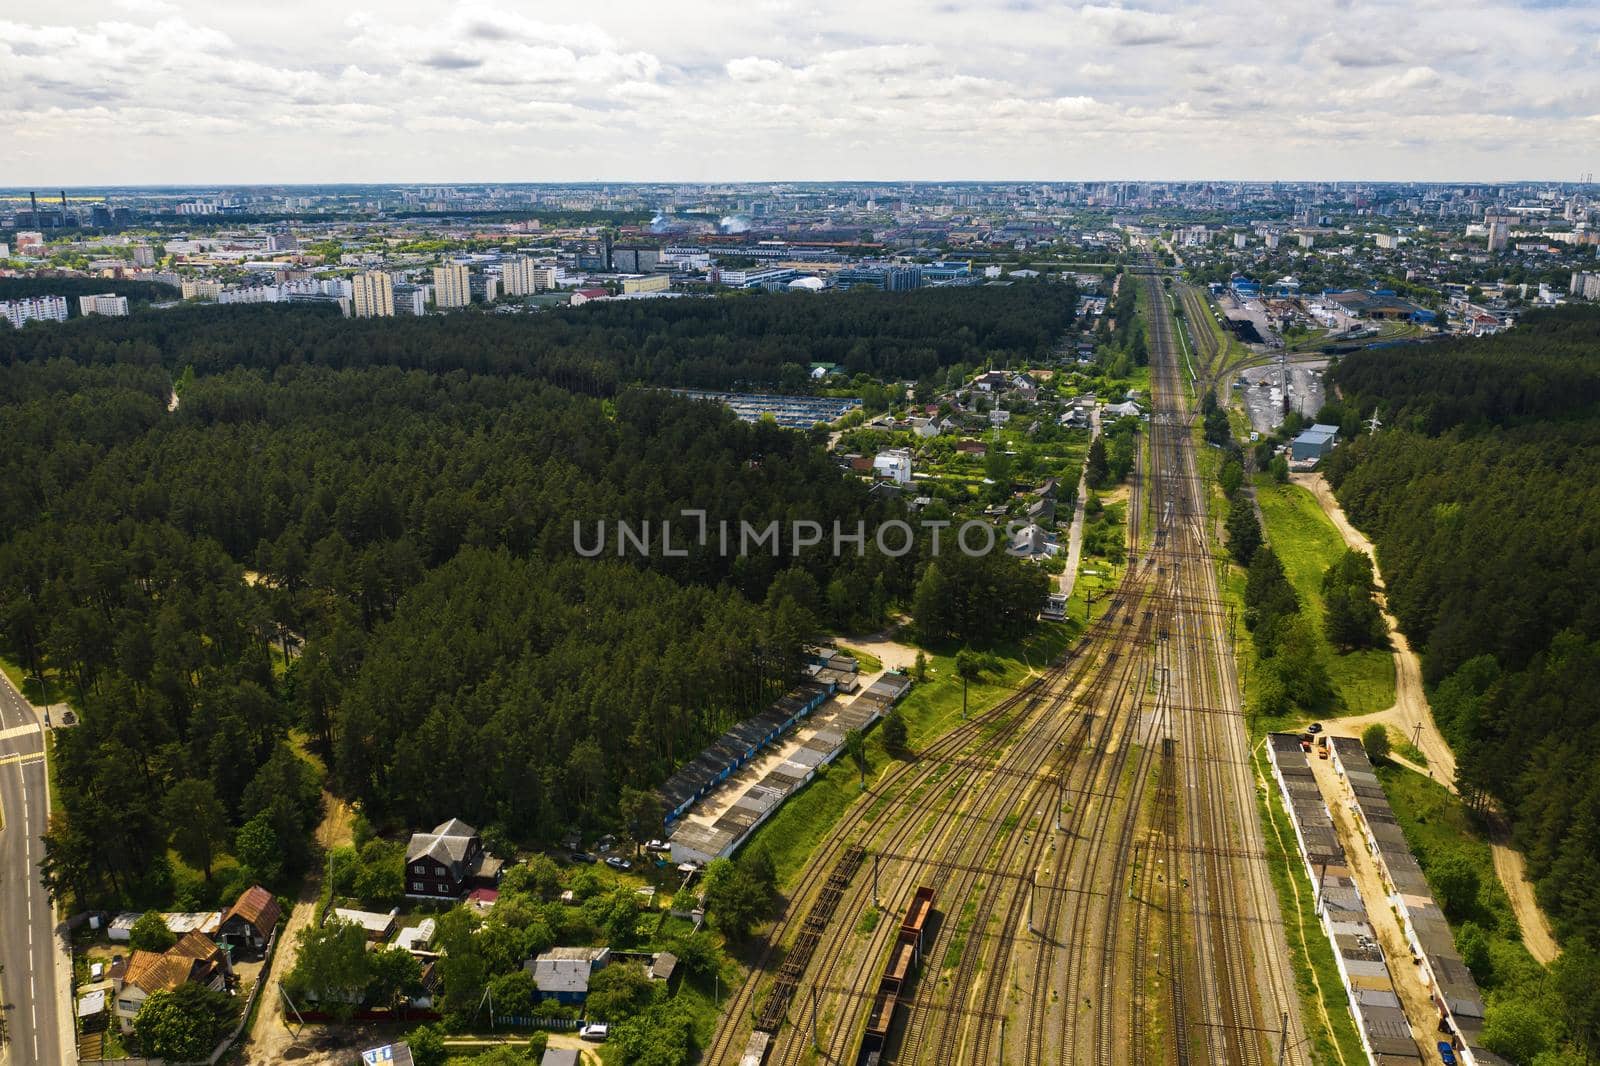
x,y
1375,739
150,933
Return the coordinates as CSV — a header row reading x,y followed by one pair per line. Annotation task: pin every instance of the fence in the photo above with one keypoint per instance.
x,y
227,1041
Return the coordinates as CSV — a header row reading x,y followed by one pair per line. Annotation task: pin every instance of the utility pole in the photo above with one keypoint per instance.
x,y
1033,892
816,1035
1002,1058
1283,1036
1416,736
875,901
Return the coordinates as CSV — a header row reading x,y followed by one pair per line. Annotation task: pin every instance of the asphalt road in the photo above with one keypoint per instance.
x,y
38,1018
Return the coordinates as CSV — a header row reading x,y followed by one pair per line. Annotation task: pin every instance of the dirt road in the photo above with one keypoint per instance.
x,y
1411,708
270,1040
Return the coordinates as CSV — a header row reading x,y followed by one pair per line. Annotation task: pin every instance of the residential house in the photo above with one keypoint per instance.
x,y
248,924
449,862
971,447
583,296
562,974
195,958
894,464
924,427
1125,409
1033,542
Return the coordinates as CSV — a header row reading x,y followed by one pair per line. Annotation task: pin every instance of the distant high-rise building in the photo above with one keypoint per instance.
x,y
410,299
485,287
372,295
452,285
200,289
517,275
29,308
1499,232
104,304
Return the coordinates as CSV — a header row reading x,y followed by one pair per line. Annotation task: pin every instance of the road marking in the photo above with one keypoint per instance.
x,y
20,731
29,757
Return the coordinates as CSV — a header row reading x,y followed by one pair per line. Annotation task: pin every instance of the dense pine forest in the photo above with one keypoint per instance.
x,y
755,340
1483,496
350,545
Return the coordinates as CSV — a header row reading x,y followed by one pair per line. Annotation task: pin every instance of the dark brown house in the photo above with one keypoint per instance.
x,y
449,862
249,923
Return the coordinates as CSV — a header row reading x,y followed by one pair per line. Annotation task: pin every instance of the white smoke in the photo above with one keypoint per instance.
x,y
733,224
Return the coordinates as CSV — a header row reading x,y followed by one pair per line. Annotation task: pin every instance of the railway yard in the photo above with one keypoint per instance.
x,y
1084,857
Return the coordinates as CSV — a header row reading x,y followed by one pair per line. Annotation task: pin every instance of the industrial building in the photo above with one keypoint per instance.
x,y
1313,443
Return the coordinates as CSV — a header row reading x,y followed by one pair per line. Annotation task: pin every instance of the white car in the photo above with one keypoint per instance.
x,y
596,1032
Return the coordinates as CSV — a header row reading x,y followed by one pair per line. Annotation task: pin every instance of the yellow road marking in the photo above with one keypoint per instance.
x,y
32,756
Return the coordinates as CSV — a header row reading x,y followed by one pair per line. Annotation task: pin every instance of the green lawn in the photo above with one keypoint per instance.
x,y
931,709
1307,544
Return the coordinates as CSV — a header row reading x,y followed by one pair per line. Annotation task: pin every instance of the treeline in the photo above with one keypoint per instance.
x,y
1485,506
381,563
744,340
1544,370
137,292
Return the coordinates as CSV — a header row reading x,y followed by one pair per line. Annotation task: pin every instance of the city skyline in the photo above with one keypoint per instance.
x,y
150,92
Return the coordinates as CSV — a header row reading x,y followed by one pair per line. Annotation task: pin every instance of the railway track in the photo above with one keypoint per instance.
x,y
1155,919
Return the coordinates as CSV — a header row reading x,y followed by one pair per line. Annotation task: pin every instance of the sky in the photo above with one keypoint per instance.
x,y
240,91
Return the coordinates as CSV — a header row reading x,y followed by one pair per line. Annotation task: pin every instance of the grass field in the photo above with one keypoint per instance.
x,y
931,709
1307,544
1436,824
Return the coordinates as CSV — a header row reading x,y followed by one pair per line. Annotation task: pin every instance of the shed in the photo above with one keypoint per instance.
x,y
1313,443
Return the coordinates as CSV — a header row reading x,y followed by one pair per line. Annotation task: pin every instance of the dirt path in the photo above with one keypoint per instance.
x,y
1411,708
270,1040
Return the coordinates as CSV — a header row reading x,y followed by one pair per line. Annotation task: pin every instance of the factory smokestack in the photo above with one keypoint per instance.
x,y
33,199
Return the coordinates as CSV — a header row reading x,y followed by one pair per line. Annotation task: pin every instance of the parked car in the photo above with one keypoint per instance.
x,y
1314,727
605,843
595,1031
582,856
1447,1054
619,864
658,845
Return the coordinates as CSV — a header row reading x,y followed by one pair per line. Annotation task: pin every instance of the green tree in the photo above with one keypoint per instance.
x,y
199,822
894,731
1098,470
1375,739
855,744
394,975
1244,530
150,933
618,991
427,1046
332,968
183,1024
1517,1029
641,814
1455,881
920,669
969,667
256,847
1576,978
1231,477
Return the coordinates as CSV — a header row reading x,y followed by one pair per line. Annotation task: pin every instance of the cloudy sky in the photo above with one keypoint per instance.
x,y
146,91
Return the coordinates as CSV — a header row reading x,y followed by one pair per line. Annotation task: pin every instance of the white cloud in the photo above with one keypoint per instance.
x,y
175,90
